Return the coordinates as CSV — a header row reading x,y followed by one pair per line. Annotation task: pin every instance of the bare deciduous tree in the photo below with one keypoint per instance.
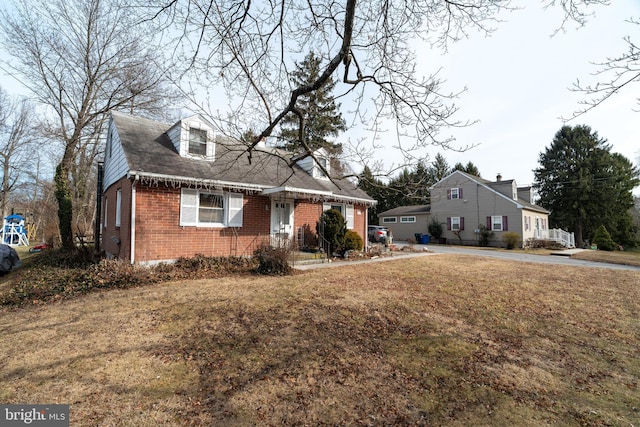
x,y
81,59
248,48
16,144
615,74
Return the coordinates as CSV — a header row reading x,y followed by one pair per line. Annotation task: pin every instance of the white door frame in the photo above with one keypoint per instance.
x,y
282,230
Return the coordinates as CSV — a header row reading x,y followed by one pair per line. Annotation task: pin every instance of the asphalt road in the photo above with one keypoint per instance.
x,y
523,257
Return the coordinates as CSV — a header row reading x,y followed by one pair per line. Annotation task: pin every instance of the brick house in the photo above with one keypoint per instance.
x,y
179,190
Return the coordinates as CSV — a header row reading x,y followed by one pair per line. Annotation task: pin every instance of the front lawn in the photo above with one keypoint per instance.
x,y
435,340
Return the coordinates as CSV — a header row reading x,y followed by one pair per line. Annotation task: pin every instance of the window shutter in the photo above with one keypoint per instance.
x,y
235,210
459,193
505,226
448,194
489,225
448,223
189,207
461,223
349,217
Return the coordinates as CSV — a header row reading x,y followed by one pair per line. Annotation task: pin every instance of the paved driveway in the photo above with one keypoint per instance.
x,y
492,253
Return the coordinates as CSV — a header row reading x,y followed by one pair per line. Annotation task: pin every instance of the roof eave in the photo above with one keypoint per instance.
x,y
320,194
183,180
267,191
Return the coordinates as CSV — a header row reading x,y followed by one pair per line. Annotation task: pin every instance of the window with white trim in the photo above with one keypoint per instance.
x,y
456,223
390,220
407,219
106,212
346,210
110,144
197,142
455,193
118,207
210,209
323,162
496,223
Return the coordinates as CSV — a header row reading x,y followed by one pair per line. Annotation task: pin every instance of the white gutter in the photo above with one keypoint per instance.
x,y
250,187
273,190
195,181
327,194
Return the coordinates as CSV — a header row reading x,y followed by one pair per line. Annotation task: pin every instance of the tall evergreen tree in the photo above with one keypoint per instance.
x,y
584,185
375,188
320,113
469,168
439,168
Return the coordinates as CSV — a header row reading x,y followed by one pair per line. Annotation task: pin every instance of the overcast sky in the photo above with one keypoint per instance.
x,y
518,82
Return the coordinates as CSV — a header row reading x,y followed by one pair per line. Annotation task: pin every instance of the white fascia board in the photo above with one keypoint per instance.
x,y
285,189
318,193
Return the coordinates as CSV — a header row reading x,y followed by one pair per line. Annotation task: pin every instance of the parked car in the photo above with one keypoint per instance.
x,y
9,259
39,248
378,234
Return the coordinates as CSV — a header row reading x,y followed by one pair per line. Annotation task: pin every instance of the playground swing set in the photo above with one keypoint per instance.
x,y
14,231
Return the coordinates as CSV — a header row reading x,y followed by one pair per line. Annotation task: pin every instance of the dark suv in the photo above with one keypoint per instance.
x,y
9,259
378,234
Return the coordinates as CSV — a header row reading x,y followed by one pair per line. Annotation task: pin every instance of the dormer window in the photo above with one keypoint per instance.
x,y
193,137
323,163
197,142
315,164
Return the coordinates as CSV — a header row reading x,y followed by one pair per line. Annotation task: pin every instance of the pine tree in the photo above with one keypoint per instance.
x,y
375,188
322,117
603,239
584,185
469,168
439,168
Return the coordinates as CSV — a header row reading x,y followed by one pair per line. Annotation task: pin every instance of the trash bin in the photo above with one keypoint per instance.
x,y
418,237
424,239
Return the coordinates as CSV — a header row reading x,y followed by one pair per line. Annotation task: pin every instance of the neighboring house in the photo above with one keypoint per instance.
x,y
406,221
178,190
464,202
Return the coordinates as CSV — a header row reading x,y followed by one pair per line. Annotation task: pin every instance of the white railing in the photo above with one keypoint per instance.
x,y
565,238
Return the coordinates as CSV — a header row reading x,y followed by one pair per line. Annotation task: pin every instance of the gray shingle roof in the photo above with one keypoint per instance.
x,y
407,210
149,152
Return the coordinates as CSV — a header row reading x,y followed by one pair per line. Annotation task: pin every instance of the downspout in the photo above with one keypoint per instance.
x,y
132,251
98,224
366,228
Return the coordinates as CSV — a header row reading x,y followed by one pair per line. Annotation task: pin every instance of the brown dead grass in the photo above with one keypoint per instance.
x,y
436,340
617,257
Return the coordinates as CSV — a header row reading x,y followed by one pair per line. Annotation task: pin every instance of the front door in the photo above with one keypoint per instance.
x,y
281,222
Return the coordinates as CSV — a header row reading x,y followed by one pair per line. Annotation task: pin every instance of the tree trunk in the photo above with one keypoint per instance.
x,y
578,234
65,206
